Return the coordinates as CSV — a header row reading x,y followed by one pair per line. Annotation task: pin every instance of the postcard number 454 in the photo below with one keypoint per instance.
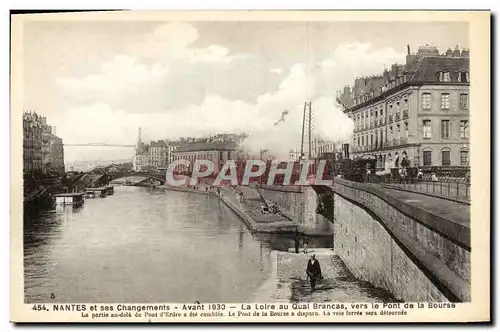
x,y
39,307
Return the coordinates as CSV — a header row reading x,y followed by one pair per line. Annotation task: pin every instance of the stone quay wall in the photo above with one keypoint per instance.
x,y
299,204
414,254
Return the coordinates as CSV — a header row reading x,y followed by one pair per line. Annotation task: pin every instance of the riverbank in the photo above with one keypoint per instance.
x,y
186,190
288,283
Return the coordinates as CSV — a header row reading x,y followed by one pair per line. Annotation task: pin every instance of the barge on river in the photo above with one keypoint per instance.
x,y
74,199
101,191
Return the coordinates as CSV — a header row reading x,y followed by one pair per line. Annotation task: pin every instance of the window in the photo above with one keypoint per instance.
x,y
464,129
464,101
426,101
445,76
463,77
445,158
445,129
464,158
445,101
427,158
427,128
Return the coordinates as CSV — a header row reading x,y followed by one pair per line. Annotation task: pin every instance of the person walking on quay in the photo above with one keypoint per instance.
x,y
313,272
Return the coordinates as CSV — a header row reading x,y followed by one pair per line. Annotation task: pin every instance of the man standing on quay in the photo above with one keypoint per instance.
x,y
313,272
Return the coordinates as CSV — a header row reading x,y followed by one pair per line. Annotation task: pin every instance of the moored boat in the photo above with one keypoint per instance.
x,y
74,199
101,191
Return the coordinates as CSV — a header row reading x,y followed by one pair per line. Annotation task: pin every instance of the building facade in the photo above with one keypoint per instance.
x,y
55,161
418,111
42,149
216,152
32,141
157,154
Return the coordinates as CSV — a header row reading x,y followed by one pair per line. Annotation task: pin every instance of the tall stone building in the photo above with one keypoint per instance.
x,y
418,111
157,154
42,149
32,141
55,162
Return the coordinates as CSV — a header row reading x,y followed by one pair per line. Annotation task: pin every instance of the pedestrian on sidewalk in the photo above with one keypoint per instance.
x,y
313,272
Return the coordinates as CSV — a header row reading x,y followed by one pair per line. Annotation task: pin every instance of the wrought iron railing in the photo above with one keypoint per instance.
x,y
458,189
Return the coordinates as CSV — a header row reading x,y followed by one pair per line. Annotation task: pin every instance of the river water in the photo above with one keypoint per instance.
x,y
144,245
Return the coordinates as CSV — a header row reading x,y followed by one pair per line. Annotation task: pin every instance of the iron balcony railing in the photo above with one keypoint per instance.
x,y
398,116
405,114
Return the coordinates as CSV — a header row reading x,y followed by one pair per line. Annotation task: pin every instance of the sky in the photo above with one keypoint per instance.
x,y
100,81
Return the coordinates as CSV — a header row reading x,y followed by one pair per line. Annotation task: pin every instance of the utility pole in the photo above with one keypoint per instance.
x,y
306,121
303,128
309,129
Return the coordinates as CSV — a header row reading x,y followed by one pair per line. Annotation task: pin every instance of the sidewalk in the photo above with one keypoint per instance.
x,y
288,282
453,211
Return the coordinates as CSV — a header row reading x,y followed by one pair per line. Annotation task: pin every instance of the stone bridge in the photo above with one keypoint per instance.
x,y
413,245
160,177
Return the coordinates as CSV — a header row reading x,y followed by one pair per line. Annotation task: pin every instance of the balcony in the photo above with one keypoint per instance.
x,y
398,116
390,119
395,142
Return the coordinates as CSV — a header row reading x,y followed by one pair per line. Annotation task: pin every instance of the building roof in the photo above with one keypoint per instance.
x,y
430,67
207,146
427,71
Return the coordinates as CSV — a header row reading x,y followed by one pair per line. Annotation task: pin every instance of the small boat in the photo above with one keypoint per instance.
x,y
102,191
89,194
74,199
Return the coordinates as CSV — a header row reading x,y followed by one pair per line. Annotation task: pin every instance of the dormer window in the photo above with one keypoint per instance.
x,y
445,76
463,77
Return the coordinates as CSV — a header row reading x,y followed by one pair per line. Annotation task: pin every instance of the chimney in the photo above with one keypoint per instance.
x,y
408,49
54,130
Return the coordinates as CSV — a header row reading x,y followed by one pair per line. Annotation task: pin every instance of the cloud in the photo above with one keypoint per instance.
x,y
117,80
216,114
127,93
360,59
161,70
328,63
173,41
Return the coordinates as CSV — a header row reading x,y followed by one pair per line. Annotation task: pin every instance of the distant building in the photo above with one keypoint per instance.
x,y
217,152
55,162
171,147
32,141
157,154
418,111
42,149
